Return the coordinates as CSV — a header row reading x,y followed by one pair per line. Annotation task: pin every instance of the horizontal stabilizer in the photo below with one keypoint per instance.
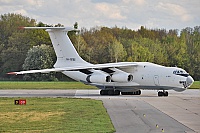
x,y
51,28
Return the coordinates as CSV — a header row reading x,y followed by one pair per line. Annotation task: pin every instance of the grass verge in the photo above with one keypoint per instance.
x,y
54,115
44,85
57,85
195,85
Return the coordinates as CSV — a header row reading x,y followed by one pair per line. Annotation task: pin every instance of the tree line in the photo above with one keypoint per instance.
x,y
32,49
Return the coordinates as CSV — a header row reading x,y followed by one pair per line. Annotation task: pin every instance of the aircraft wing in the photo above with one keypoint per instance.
x,y
37,71
76,68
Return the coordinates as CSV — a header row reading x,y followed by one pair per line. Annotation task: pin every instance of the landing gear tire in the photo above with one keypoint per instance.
x,y
132,93
117,92
104,92
110,92
162,93
166,93
137,92
127,93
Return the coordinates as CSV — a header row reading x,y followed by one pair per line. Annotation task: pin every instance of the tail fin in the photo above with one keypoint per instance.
x,y
64,49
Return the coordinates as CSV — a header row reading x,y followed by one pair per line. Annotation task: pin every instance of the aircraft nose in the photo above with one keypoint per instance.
x,y
189,81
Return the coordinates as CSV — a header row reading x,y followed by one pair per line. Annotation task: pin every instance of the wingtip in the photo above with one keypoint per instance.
x,y
12,73
21,27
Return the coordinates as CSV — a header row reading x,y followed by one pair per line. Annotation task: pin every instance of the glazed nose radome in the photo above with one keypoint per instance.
x,y
189,81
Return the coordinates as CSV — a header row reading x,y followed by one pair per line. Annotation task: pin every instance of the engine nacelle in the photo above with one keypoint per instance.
x,y
122,77
98,77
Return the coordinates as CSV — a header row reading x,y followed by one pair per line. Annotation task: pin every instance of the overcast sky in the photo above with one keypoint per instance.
x,y
169,14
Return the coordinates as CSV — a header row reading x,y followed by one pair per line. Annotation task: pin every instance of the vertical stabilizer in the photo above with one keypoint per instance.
x,y
64,49
67,55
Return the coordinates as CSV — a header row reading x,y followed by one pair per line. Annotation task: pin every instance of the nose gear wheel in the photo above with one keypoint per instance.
x,y
163,93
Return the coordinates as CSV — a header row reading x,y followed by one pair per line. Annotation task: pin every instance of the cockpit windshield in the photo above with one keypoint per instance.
x,y
181,73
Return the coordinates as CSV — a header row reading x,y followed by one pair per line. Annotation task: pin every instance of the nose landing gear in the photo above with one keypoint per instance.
x,y
163,93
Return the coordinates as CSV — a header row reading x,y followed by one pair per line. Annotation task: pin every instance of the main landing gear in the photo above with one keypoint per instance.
x,y
132,93
110,92
117,92
163,93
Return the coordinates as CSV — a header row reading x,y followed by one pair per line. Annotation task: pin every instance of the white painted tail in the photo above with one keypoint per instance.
x,y
67,55
65,51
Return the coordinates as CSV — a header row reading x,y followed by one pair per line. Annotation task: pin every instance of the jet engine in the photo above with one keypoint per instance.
x,y
98,77
121,76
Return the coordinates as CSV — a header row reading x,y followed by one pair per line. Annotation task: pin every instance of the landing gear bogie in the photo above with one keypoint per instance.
x,y
132,93
104,92
162,93
117,92
137,92
127,93
110,92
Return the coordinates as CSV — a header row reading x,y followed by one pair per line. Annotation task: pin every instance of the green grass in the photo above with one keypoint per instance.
x,y
57,85
54,115
195,85
44,85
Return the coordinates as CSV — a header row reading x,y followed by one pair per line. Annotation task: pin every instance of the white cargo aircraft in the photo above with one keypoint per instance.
x,y
112,78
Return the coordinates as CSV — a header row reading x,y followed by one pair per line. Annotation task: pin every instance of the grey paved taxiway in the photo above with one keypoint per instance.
x,y
147,113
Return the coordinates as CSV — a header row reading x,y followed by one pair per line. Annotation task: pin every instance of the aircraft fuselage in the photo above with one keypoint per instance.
x,y
145,76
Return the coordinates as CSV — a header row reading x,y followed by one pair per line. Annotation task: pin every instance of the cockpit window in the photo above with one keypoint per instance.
x,y
185,75
181,73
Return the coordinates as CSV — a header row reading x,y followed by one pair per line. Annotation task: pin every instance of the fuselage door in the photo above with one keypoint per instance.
x,y
156,80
